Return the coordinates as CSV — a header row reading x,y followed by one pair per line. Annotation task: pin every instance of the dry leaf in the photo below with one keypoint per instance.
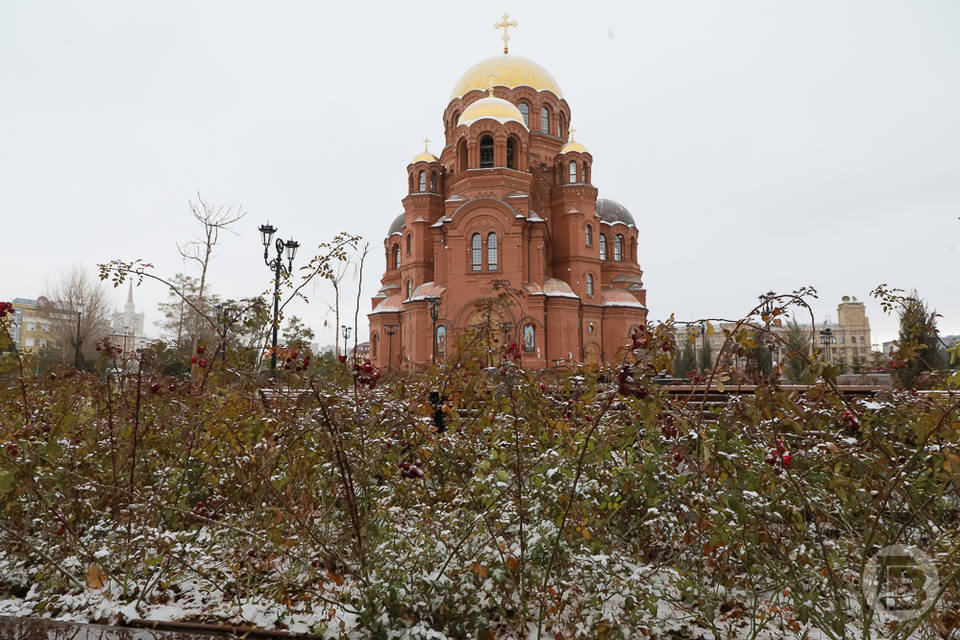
x,y
96,578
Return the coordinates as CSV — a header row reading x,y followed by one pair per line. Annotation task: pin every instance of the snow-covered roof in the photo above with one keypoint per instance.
x,y
558,289
427,290
392,304
614,297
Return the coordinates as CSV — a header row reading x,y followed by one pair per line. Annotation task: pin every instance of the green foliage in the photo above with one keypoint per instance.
x,y
799,369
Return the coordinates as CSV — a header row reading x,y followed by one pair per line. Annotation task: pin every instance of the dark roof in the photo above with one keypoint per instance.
x,y
612,211
396,225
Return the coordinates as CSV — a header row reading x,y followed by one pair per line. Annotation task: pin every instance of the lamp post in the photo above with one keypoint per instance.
x,y
390,329
345,331
76,356
279,270
434,304
827,338
767,308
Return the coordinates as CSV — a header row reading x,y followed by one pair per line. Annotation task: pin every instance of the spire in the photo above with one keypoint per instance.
x,y
130,293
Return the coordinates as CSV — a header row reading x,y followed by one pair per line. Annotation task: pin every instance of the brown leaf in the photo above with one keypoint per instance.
x,y
512,563
96,578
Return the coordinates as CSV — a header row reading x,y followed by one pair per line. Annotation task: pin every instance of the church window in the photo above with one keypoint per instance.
x,y
588,234
512,152
423,181
525,111
373,346
492,251
545,119
409,242
486,152
573,172
396,256
409,289
433,181
477,251
586,179
560,125
618,248
589,285
603,247
462,155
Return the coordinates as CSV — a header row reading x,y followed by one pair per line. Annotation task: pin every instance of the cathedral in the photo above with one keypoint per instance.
x,y
510,198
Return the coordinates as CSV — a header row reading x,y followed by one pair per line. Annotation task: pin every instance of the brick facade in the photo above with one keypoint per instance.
x,y
510,198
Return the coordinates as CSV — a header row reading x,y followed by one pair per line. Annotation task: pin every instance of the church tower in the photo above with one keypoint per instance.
x,y
512,198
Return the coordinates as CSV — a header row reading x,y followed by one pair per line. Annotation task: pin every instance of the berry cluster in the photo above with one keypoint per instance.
x,y
5,308
411,471
366,374
849,418
13,449
779,458
197,360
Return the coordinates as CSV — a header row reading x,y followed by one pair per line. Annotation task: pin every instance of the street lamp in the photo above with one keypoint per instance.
x,y
434,305
345,331
827,338
767,308
279,270
390,329
76,357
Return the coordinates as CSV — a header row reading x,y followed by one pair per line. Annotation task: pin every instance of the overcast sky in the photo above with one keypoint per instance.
x,y
759,145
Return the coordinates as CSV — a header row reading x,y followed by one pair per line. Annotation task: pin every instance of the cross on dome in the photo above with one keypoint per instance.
x,y
505,23
426,144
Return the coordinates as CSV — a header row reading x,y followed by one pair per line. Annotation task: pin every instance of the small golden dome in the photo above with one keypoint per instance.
x,y
508,71
573,145
491,107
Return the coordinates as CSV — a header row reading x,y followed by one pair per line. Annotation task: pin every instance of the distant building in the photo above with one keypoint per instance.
x,y
126,327
847,345
32,326
362,350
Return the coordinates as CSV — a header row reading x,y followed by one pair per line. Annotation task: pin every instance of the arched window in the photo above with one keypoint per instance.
x,y
589,285
512,152
560,125
476,244
545,119
586,176
525,111
486,152
492,251
409,242
373,346
409,289
423,181
396,256
462,156
603,247
433,181
588,234
618,248
573,172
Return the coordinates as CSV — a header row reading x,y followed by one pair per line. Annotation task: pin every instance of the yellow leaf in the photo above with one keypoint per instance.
x,y
586,533
96,578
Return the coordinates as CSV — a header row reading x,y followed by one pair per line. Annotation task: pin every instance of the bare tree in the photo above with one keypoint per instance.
x,y
213,220
356,312
77,296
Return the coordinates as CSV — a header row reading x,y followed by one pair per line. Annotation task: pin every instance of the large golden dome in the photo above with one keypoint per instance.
x,y
491,107
506,70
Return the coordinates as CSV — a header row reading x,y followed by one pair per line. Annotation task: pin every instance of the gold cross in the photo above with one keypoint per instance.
x,y
505,23
426,144
572,131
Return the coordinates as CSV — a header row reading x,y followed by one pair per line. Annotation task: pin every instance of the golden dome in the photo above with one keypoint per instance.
x,y
424,156
508,71
491,107
573,145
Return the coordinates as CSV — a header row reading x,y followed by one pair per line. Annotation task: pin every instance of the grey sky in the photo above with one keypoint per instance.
x,y
760,145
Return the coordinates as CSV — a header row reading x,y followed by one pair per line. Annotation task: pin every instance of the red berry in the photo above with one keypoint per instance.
x,y
201,349
786,460
194,360
203,362
155,387
13,450
543,387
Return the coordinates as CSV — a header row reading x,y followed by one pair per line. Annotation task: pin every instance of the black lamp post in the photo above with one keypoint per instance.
x,y
827,338
390,329
767,308
434,305
76,356
345,331
279,270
